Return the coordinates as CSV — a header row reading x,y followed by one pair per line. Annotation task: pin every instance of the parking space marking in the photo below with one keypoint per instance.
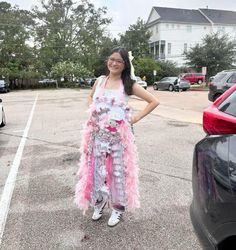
x,y
10,182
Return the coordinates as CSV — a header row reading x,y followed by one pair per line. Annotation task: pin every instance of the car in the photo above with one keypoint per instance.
x,y
194,78
172,83
4,86
48,81
213,206
2,115
141,82
220,83
90,81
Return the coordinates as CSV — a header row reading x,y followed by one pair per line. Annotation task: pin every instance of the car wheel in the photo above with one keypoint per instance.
x,y
199,81
184,89
155,87
216,96
171,88
3,123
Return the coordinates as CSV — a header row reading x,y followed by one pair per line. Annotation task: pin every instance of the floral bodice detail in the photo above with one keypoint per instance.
x,y
109,108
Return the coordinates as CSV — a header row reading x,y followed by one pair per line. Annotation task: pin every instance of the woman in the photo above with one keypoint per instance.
x,y
108,171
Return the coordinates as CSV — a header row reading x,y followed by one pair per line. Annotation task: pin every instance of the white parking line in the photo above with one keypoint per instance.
x,y
11,179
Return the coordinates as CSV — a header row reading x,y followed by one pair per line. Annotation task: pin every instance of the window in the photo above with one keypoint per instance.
x,y
185,47
156,29
219,77
169,48
228,106
232,79
189,28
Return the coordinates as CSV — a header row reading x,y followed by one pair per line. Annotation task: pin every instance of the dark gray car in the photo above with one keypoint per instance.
x,y
4,86
171,83
220,83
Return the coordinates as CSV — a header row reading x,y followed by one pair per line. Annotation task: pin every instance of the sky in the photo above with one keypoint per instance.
x,y
126,12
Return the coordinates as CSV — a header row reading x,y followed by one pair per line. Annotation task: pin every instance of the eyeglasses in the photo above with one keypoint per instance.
x,y
117,61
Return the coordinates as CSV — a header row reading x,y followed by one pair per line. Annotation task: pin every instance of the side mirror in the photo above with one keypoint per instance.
x,y
0,100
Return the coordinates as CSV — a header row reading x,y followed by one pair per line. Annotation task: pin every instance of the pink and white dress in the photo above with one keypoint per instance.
x,y
108,164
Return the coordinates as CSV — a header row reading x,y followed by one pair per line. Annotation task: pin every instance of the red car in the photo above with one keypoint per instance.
x,y
219,118
194,78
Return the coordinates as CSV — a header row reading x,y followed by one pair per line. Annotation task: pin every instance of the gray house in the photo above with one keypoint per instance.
x,y
176,30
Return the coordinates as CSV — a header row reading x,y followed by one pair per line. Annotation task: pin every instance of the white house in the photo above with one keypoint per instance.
x,y
176,30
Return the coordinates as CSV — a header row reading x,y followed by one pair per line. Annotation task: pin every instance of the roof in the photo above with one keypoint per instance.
x,y
220,16
180,15
201,16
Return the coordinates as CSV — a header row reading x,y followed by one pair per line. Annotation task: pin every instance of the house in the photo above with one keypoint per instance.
x,y
176,30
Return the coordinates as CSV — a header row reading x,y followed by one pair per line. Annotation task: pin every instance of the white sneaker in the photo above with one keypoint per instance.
x,y
98,210
115,218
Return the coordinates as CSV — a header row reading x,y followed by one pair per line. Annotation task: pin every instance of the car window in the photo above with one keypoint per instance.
x,y
164,79
232,79
228,106
219,77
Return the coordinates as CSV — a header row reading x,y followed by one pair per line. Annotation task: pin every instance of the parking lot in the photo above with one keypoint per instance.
x,y
42,214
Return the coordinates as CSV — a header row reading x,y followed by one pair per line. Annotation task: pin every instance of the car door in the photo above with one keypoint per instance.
x,y
166,83
161,84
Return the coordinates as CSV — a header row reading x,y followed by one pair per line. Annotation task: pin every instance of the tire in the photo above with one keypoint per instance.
x,y
199,81
184,89
171,87
3,122
155,87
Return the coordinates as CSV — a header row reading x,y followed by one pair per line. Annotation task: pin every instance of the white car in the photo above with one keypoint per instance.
x,y
141,82
48,81
2,115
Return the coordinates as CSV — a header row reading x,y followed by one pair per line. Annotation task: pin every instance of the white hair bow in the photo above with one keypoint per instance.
x,y
132,75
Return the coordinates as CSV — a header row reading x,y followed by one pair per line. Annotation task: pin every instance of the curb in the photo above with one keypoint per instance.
x,y
198,89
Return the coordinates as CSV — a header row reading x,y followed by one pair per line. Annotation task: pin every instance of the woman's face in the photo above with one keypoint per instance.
x,y
115,63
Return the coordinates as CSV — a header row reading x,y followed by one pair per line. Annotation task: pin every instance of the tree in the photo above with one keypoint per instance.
x,y
217,53
145,67
69,70
168,68
66,31
16,55
136,39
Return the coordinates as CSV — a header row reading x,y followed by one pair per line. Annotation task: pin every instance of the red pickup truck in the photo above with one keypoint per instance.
x,y
194,77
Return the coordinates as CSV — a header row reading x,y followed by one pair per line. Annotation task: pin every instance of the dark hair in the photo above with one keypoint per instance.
x,y
125,75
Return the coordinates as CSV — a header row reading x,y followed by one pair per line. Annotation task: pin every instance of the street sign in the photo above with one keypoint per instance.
x,y
204,70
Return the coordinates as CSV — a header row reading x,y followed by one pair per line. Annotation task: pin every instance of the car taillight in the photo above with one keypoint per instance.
x,y
216,122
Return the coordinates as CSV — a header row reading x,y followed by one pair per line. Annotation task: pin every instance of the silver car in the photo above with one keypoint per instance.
x,y
172,83
141,82
2,115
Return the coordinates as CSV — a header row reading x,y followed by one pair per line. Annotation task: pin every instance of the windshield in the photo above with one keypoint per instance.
x,y
219,77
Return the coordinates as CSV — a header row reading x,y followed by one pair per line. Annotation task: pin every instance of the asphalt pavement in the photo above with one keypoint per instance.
x,y
42,214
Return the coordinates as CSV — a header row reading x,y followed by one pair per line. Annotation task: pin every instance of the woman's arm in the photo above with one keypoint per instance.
x,y
90,96
146,96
